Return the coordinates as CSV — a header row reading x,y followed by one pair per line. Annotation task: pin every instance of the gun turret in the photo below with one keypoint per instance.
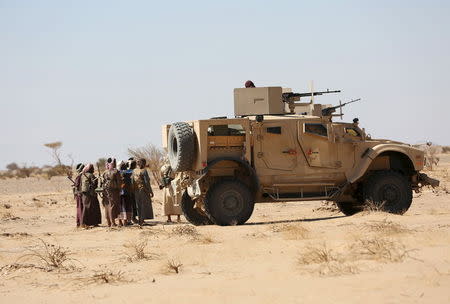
x,y
330,110
290,98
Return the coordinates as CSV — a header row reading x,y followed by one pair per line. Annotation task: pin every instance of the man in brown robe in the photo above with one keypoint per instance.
x,y
111,182
91,215
142,192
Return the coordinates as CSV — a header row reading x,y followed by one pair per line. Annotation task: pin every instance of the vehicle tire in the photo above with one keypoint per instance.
x,y
349,208
194,216
181,146
389,191
229,203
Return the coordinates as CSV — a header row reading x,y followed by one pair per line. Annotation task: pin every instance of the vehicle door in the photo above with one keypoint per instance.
x,y
275,147
317,143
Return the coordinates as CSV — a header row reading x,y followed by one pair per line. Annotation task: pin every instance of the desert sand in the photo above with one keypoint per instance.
x,y
304,252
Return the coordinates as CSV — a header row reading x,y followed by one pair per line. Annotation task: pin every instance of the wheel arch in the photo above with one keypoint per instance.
x,y
398,160
253,181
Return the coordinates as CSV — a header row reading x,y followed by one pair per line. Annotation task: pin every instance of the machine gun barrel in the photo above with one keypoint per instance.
x,y
289,95
328,111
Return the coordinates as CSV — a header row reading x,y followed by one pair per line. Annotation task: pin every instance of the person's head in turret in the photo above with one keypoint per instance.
x,y
249,84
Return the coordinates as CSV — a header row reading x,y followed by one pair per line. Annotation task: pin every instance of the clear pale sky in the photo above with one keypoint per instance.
x,y
102,76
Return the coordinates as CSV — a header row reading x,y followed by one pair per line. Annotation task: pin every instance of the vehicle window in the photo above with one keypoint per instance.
x,y
274,130
317,129
226,130
352,132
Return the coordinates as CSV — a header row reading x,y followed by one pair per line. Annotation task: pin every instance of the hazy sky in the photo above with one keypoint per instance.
x,y
102,76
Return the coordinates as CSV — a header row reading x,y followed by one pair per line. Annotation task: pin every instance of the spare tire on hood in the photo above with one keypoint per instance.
x,y
181,146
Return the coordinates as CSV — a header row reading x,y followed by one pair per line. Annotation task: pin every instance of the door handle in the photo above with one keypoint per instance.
x,y
290,152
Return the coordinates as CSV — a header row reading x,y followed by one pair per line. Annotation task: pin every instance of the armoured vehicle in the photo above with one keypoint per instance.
x,y
279,149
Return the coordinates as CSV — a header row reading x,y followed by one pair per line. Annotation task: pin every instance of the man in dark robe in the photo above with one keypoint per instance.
x,y
111,192
131,166
143,192
77,193
126,200
91,207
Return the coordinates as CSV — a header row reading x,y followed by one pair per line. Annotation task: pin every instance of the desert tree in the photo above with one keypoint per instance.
x,y
152,154
12,166
55,148
101,163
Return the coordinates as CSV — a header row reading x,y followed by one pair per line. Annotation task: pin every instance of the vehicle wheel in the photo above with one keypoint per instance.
x,y
229,203
181,146
389,191
349,208
195,216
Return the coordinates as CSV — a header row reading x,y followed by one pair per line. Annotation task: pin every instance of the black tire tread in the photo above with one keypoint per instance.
x,y
186,147
209,203
372,181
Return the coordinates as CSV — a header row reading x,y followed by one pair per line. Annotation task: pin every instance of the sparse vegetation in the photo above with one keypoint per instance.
x,y
371,206
138,250
385,227
379,249
185,230
316,255
8,216
105,277
174,266
52,256
292,231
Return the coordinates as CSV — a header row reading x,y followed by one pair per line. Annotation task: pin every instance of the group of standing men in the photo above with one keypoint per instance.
x,y
125,191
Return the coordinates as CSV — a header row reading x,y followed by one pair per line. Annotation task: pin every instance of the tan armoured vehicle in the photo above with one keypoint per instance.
x,y
279,149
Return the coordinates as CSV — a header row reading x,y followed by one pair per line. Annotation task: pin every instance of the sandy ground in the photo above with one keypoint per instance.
x,y
287,253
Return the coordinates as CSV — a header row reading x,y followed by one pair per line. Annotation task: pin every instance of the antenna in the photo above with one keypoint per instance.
x,y
311,85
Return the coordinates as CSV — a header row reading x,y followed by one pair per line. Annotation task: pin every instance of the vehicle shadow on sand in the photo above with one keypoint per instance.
x,y
298,220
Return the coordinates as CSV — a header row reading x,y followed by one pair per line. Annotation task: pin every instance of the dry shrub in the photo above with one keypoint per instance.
x,y
104,277
325,262
292,231
371,206
316,255
185,230
9,216
204,239
335,269
138,251
173,266
52,256
191,232
446,149
15,234
386,227
6,269
7,206
328,207
379,249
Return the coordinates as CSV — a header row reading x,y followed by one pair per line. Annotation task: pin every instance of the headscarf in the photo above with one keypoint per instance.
x,y
89,168
131,164
249,84
110,163
122,165
79,168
